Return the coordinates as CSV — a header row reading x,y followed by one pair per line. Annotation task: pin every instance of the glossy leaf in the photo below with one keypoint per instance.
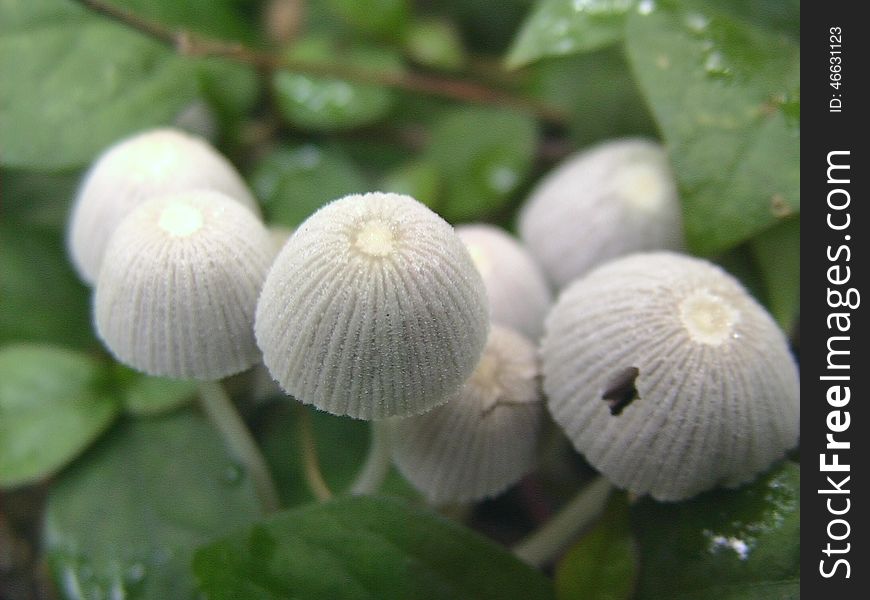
x,y
123,522
777,252
363,548
483,155
726,95
727,544
293,182
329,103
53,403
40,297
74,82
603,564
563,27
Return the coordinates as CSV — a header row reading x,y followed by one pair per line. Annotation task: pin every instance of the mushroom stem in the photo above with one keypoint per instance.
x,y
313,475
545,544
222,413
377,464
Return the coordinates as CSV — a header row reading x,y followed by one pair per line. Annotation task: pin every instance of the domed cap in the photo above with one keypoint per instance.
x,y
616,198
156,162
178,287
485,438
372,309
668,377
518,293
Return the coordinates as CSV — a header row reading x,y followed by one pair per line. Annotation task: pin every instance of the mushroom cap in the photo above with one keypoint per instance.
x,y
485,438
668,377
156,162
615,198
519,295
372,309
178,287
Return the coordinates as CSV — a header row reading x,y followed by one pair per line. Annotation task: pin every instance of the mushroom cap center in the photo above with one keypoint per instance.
x,y
375,237
642,187
180,219
708,318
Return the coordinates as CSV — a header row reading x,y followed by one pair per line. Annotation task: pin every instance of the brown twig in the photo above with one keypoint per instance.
x,y
188,43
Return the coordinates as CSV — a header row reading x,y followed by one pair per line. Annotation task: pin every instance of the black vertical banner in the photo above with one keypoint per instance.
x,y
835,421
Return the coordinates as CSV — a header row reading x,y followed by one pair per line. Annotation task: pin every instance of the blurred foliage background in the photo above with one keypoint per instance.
x,y
111,482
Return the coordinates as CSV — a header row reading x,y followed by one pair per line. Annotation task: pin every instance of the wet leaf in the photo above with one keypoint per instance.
x,y
725,94
727,544
53,403
563,27
357,548
124,520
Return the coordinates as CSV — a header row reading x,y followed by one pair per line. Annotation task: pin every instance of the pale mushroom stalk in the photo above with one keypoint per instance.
x,y
311,465
547,543
377,464
220,410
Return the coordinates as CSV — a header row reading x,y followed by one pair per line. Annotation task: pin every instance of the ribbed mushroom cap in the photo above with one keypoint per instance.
x,y
484,439
156,162
519,296
613,199
178,287
668,377
372,309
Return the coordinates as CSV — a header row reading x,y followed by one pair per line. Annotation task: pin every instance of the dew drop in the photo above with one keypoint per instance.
x,y
646,7
502,179
697,23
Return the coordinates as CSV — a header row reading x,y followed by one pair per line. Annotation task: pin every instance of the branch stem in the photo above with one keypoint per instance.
x,y
377,465
222,413
191,44
545,544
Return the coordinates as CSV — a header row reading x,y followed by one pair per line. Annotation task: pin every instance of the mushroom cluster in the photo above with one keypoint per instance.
x,y
661,369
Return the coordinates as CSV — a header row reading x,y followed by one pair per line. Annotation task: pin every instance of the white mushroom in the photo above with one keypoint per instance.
x,y
156,162
485,438
613,199
372,309
668,377
519,296
179,284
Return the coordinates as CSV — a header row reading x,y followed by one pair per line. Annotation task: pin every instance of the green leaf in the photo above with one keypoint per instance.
x,y
383,17
75,82
53,403
727,544
363,548
603,564
40,297
777,252
124,520
435,43
293,182
598,93
418,179
563,27
34,198
341,446
483,155
144,395
726,95
330,103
